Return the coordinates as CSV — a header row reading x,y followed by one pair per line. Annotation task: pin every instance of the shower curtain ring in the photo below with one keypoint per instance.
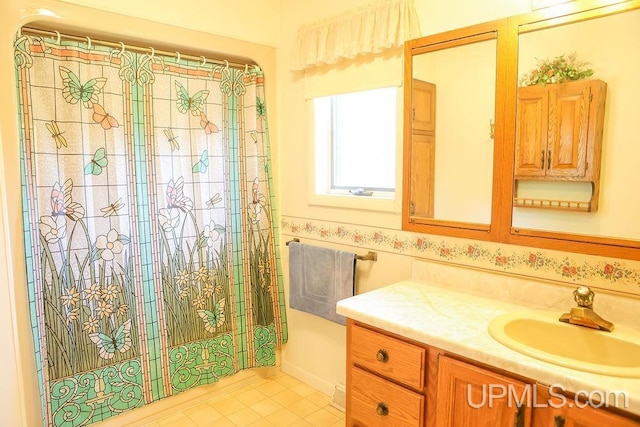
x,y
226,64
88,42
204,60
246,68
177,56
57,37
153,52
121,48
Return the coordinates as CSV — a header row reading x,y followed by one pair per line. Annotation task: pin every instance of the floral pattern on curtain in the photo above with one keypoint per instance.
x,y
152,264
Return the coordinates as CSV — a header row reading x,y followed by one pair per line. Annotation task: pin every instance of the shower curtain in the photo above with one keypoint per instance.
x,y
152,264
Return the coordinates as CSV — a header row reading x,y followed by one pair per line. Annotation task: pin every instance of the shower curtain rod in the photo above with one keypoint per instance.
x,y
57,35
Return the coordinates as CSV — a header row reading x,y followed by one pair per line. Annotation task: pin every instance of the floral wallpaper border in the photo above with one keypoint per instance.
x,y
601,272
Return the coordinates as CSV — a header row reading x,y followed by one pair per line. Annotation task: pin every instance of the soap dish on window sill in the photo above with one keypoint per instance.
x,y
361,192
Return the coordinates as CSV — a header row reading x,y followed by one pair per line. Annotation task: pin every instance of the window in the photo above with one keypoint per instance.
x,y
356,138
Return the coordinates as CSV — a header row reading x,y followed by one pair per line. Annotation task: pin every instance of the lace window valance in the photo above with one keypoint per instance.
x,y
366,30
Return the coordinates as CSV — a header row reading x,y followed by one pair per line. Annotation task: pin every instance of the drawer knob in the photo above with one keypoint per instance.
x,y
382,409
382,356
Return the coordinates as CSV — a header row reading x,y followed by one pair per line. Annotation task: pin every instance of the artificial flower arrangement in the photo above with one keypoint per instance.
x,y
558,70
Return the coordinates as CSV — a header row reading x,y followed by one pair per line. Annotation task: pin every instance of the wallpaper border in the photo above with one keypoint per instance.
x,y
605,273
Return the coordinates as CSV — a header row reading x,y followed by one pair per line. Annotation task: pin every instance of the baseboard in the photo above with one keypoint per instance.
x,y
308,378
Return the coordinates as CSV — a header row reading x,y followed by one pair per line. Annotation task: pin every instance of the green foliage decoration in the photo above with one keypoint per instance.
x,y
560,69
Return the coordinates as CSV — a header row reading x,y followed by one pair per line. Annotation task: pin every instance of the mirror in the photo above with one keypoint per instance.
x,y
611,46
453,105
446,192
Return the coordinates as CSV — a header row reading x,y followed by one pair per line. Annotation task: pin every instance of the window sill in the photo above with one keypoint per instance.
x,y
348,201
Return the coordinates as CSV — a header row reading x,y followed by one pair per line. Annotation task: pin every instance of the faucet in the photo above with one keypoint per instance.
x,y
583,314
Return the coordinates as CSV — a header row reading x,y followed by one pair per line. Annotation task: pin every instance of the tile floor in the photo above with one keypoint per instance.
x,y
278,400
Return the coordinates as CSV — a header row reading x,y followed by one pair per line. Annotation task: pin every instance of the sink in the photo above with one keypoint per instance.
x,y
539,334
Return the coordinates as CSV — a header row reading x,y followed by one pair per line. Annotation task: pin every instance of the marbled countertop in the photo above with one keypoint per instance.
x,y
457,322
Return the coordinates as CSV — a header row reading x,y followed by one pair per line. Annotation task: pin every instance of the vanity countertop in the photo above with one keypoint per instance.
x,y
457,322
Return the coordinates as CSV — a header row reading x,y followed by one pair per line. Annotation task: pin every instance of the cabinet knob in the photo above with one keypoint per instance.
x,y
382,356
559,421
382,409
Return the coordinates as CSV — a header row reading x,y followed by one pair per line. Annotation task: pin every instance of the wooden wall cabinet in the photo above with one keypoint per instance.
x,y
423,148
559,136
392,381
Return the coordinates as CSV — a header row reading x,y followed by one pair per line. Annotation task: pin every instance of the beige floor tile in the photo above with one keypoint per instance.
x,y
244,417
286,380
250,396
266,407
177,420
170,418
222,422
202,414
283,417
319,398
269,387
301,423
277,401
286,397
262,423
303,408
335,411
322,418
227,406
303,389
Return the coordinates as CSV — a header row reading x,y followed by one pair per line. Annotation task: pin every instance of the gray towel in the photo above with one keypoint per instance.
x,y
319,278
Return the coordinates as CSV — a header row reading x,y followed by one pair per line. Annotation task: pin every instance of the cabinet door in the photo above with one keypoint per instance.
x,y
469,396
568,129
531,132
423,153
424,107
553,411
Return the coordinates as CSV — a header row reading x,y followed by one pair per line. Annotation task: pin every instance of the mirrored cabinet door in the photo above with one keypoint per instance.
x,y
587,129
451,144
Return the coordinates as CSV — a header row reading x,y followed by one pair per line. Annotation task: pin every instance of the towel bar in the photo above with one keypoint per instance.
x,y
370,256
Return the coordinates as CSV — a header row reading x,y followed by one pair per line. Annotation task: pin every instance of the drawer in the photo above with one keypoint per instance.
x,y
378,402
390,357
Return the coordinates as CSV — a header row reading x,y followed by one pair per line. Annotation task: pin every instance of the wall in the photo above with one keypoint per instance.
x,y
254,21
316,349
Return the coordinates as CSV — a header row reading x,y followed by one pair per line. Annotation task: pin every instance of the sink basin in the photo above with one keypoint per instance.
x,y
539,334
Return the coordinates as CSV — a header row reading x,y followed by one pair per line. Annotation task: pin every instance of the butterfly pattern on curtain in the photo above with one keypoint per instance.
x,y
152,264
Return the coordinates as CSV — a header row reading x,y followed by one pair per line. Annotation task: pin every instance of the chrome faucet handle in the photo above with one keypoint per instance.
x,y
583,296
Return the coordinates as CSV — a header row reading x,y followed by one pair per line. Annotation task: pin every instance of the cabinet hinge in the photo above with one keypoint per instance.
x,y
412,208
590,97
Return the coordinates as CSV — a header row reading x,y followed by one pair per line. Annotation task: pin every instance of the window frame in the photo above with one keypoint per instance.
x,y
320,171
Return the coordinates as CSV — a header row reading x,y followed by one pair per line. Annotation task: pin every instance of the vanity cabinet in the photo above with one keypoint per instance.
x,y
555,411
392,381
385,380
469,396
